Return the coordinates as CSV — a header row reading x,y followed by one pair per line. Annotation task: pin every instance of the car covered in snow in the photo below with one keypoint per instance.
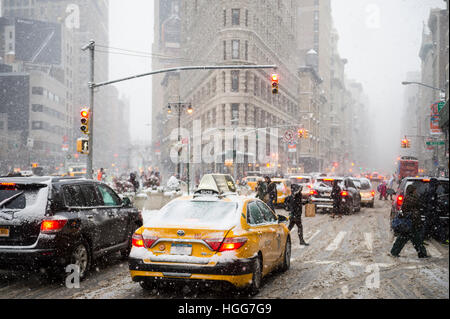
x,y
350,197
51,222
213,236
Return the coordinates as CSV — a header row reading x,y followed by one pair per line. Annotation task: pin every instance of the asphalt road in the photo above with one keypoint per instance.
x,y
347,258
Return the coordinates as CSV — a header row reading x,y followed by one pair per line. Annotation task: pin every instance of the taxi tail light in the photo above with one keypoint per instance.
x,y
232,243
214,243
149,241
52,225
137,240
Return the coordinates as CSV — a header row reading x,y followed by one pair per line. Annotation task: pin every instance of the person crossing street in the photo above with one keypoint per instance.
x,y
296,208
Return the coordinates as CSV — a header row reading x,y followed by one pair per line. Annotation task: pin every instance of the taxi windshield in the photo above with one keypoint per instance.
x,y
202,214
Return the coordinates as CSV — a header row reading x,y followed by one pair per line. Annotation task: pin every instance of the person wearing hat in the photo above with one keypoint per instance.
x,y
296,209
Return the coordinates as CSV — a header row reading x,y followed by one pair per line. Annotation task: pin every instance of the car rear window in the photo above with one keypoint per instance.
x,y
422,187
203,214
365,185
19,196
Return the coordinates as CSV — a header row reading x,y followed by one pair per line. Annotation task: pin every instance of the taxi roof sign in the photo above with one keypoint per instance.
x,y
218,183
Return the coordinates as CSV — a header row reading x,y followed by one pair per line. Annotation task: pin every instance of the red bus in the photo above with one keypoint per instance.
x,y
408,166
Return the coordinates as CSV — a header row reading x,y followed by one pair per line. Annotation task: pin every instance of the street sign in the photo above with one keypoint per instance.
x,y
292,148
435,143
289,136
441,104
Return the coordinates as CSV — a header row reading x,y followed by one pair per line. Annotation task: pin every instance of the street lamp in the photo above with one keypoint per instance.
x,y
425,85
179,106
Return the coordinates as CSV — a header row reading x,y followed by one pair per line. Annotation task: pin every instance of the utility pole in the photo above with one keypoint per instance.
x,y
89,166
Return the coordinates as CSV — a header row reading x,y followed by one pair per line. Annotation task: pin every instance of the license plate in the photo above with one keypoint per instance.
x,y
327,194
4,232
181,249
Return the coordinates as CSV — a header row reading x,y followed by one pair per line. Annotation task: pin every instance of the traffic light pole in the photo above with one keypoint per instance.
x,y
89,166
92,86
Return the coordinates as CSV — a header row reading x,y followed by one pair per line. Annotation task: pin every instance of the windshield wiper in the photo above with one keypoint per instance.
x,y
6,201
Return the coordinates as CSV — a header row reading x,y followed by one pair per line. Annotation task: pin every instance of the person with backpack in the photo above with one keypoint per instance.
x,y
408,225
296,209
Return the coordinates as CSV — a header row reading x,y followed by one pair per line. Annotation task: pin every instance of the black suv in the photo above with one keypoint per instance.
x,y
422,185
320,194
49,223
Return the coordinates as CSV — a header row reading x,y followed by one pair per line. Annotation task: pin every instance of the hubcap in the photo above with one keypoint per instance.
x,y
80,256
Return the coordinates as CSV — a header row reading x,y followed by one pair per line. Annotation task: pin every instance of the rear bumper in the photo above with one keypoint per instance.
x,y
367,200
238,273
28,258
322,203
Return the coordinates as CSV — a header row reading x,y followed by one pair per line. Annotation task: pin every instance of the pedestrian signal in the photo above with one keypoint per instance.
x,y
83,146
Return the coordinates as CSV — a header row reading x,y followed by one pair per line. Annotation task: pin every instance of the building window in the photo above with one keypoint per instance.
x,y
235,48
235,81
246,51
246,18
247,77
224,50
37,90
37,108
2,125
223,81
225,18
235,113
37,125
235,16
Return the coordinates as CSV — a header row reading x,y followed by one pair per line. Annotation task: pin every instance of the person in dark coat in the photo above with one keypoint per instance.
x,y
432,223
271,192
410,209
261,189
336,197
134,182
296,208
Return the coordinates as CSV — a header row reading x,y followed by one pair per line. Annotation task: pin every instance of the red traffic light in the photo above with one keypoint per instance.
x,y
85,113
275,77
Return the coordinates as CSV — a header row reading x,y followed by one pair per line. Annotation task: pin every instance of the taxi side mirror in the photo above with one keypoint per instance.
x,y
282,219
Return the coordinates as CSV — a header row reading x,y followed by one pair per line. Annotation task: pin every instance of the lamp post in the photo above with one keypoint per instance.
x,y
179,107
442,96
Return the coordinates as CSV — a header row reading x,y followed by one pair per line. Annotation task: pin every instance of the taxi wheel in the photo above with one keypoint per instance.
x,y
256,278
287,256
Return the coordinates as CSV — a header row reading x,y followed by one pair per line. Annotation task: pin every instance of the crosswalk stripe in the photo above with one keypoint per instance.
x,y
337,241
432,250
369,241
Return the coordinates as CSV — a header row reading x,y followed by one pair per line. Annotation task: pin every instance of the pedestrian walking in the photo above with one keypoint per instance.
x,y
408,225
382,189
261,189
296,209
390,187
336,197
100,175
271,192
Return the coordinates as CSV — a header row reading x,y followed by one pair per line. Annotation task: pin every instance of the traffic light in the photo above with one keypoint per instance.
x,y
306,134
275,86
301,133
406,143
83,146
85,113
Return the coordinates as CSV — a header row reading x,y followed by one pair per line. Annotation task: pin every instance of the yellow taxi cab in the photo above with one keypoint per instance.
x,y
76,171
283,189
213,236
252,181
